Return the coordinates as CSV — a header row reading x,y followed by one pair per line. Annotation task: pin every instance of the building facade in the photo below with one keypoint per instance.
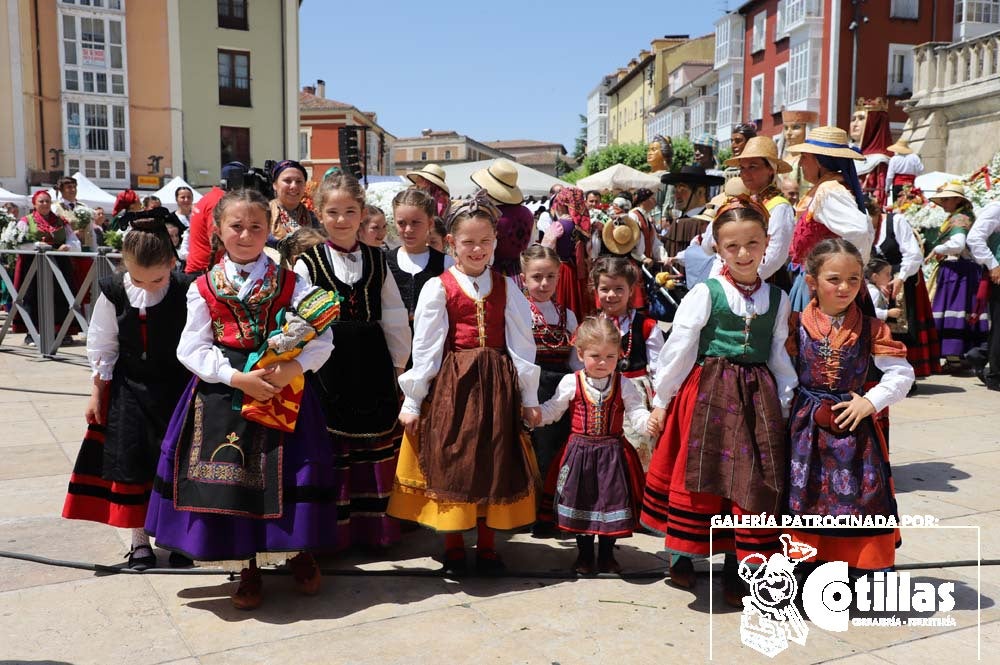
x,y
320,122
129,94
687,106
440,147
597,115
542,156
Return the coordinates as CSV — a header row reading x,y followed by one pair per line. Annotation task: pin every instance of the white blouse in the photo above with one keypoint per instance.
x,y
635,409
430,328
897,378
834,207
395,318
415,263
102,333
551,316
654,342
197,350
879,301
985,225
72,241
780,228
909,246
680,353
955,245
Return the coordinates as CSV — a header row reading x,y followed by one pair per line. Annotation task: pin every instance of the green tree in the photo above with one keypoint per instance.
x,y
683,153
630,154
580,151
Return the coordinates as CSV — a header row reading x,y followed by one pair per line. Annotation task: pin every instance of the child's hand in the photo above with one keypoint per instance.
x,y
854,412
655,423
409,422
283,373
255,384
95,408
531,415
894,312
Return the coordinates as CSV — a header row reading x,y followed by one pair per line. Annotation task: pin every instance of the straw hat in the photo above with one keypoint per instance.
x,y
901,147
733,187
764,148
499,180
706,215
950,190
621,235
432,173
830,141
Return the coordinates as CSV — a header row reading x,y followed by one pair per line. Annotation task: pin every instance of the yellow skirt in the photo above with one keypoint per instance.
x,y
409,500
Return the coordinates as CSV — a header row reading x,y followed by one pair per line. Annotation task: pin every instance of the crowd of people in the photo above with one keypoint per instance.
x,y
300,388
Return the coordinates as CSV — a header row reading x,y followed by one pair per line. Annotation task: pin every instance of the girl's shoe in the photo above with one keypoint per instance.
x,y
608,564
306,572
248,595
489,563
733,586
178,560
454,562
584,565
682,573
141,558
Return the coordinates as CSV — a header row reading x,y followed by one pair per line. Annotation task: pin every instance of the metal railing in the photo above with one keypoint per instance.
x,y
50,284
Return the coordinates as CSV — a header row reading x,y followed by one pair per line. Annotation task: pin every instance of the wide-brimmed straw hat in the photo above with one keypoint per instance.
x,y
621,235
901,147
692,174
764,148
950,190
431,173
830,141
499,179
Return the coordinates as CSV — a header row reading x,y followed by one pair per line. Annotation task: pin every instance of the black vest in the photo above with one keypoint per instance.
x,y
361,301
411,285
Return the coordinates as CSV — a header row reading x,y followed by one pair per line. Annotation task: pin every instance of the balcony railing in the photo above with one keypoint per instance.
x,y
943,67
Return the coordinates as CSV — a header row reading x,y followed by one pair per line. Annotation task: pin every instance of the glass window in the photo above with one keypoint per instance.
x,y
120,172
234,78
117,84
104,169
72,165
233,14
72,81
235,144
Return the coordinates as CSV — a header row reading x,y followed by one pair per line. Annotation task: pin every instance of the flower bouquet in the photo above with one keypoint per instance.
x,y
81,218
113,239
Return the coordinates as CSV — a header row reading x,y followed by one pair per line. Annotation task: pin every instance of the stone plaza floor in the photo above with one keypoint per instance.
x,y
946,460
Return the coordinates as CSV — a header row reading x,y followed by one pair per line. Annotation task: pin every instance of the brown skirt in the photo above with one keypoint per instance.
x,y
469,448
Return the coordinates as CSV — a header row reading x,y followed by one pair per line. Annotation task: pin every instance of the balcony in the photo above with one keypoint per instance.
x,y
729,32
799,14
944,71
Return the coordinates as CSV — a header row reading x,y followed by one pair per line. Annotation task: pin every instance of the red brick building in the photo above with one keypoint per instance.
x,y
797,54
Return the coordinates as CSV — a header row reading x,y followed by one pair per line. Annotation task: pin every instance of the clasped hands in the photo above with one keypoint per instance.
x,y
263,384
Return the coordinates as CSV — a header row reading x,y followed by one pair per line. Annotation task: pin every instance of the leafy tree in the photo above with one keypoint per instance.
x,y
722,156
630,154
573,176
683,153
580,151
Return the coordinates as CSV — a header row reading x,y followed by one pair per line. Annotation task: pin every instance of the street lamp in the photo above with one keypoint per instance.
x,y
858,19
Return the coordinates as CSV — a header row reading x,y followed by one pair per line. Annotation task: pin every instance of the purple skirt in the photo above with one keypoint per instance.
x,y
315,506
954,301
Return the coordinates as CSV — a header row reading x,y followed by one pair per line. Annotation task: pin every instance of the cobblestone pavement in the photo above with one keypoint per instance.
x,y
946,460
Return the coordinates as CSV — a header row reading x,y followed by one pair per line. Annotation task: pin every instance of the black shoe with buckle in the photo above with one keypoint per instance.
x,y
144,562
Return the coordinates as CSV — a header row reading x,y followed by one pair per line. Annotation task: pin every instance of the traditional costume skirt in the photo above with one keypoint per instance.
x,y
833,475
722,452
572,292
599,486
470,459
358,389
923,348
227,489
547,440
115,467
954,302
640,440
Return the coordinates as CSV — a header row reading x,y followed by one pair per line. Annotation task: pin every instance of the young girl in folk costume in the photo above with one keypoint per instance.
x,y
834,207
957,279
553,326
228,489
728,381
414,262
132,349
373,227
614,280
839,463
463,462
599,487
569,235
897,243
357,385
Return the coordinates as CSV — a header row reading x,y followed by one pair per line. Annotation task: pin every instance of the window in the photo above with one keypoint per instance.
x,y
904,9
447,154
797,11
759,31
803,71
757,97
728,39
780,81
900,79
233,14
234,78
423,155
303,145
977,11
235,145
93,55
109,4
780,31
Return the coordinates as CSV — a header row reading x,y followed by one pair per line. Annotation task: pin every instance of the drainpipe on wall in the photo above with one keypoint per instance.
x,y
831,92
284,88
38,78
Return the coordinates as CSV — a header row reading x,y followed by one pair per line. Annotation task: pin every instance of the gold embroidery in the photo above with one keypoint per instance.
x,y
250,474
230,443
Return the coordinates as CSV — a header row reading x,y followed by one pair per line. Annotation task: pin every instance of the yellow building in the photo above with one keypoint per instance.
x,y
640,84
129,94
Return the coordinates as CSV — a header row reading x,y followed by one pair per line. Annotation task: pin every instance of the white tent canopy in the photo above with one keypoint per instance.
x,y
88,193
619,176
11,197
168,193
929,182
531,181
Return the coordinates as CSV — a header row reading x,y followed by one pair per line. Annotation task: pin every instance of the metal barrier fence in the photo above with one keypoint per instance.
x,y
50,284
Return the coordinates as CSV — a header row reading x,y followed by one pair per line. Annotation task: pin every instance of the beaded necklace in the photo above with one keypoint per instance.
x,y
551,336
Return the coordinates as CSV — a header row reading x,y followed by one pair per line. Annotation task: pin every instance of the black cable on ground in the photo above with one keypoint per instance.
x,y
417,572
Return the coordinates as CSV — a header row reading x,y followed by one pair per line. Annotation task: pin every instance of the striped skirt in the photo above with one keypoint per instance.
x,y
954,302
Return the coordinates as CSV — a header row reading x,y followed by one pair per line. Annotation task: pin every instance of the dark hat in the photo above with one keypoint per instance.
x,y
692,174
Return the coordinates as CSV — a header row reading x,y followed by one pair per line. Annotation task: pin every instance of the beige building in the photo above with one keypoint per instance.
x,y
542,156
128,93
440,147
638,87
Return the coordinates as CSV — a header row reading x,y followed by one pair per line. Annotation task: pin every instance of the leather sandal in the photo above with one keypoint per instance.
x,y
682,573
306,572
248,595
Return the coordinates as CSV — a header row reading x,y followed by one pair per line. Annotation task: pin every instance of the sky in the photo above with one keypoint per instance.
x,y
512,70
